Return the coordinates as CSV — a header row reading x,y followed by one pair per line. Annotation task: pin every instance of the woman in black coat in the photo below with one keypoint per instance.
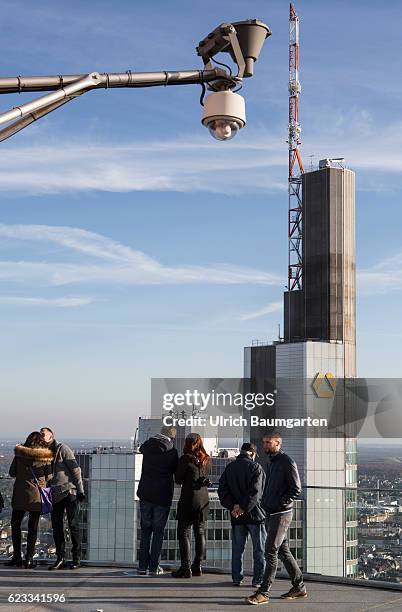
x,y
192,509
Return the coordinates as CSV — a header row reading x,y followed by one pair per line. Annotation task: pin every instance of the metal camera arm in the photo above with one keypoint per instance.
x,y
67,87
243,40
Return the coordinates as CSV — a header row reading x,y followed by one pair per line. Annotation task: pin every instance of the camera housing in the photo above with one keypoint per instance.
x,y
224,114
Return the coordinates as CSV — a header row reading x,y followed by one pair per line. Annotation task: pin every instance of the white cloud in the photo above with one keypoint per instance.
x,y
118,264
255,162
64,302
266,310
384,276
125,265
182,166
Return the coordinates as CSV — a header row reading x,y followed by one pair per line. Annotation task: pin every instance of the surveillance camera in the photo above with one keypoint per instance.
x,y
224,114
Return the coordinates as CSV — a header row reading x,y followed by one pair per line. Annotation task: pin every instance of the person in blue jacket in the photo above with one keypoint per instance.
x,y
240,490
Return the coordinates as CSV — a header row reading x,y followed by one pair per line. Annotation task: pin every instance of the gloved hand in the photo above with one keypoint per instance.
x,y
80,497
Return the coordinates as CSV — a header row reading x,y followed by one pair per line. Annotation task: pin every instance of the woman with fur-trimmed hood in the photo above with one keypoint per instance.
x,y
31,459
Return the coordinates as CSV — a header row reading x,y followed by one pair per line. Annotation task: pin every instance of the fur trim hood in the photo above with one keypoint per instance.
x,y
44,455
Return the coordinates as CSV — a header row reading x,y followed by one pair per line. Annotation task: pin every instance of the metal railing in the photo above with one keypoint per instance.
x,y
364,537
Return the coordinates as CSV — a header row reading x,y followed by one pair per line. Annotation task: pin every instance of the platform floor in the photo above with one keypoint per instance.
x,y
115,589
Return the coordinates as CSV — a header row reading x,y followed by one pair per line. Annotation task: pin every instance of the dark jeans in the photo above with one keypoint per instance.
x,y
33,521
240,535
276,545
71,506
153,521
184,537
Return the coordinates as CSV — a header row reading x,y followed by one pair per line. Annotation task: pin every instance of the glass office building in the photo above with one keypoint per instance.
x,y
108,517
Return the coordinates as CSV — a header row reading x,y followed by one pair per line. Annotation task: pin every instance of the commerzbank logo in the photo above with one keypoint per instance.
x,y
324,385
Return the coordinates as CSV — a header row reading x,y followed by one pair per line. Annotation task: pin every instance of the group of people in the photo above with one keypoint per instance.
x,y
260,505
39,463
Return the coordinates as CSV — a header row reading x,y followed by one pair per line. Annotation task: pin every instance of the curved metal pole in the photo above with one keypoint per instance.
x,y
20,124
107,80
70,86
88,82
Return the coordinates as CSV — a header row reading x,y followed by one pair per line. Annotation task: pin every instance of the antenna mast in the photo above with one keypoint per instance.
x,y
295,235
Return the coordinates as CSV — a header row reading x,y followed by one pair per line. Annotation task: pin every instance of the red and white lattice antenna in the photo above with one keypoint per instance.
x,y
295,235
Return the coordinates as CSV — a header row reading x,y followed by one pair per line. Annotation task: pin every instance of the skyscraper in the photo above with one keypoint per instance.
x,y
320,340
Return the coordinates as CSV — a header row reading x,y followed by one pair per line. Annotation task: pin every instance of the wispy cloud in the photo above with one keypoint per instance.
x,y
64,302
181,166
108,262
384,276
255,163
262,312
124,265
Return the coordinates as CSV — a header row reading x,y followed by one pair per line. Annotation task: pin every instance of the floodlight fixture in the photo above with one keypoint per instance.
x,y
243,40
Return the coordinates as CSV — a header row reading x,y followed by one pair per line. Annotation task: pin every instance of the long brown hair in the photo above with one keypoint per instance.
x,y
194,447
35,440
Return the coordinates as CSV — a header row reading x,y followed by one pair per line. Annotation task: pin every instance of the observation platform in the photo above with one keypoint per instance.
x,y
115,589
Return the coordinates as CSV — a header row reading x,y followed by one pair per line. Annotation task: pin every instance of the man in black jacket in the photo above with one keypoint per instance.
x,y
155,491
240,490
282,488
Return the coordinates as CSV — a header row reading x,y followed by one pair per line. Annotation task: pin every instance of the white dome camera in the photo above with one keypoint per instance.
x,y
224,114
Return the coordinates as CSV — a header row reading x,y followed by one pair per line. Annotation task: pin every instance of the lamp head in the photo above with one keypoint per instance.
x,y
251,35
243,40
224,114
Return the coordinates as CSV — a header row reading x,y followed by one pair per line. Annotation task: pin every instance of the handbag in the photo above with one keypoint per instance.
x,y
46,497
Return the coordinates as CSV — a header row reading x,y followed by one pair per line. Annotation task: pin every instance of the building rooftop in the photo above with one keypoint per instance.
x,y
111,589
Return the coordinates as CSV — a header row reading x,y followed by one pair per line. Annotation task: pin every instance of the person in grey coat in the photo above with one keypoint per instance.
x,y
68,492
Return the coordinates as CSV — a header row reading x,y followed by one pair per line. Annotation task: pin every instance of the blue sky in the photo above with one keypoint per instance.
x,y
133,245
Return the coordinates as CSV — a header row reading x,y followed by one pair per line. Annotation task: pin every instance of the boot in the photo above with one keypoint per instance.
x,y
60,563
196,569
13,562
182,572
29,563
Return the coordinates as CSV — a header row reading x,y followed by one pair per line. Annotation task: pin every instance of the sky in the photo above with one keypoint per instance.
x,y
133,245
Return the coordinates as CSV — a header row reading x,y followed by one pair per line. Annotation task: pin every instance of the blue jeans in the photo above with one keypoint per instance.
x,y
240,535
277,545
153,521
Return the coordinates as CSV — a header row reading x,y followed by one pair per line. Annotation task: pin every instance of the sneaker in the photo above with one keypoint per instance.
x,y
257,599
237,582
156,572
75,564
142,572
294,593
256,585
59,564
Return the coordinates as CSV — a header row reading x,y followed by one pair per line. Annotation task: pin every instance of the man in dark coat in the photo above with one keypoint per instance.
x,y
240,490
155,491
68,492
282,488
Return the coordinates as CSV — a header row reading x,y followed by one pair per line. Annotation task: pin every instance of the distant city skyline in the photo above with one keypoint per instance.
x,y
133,246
